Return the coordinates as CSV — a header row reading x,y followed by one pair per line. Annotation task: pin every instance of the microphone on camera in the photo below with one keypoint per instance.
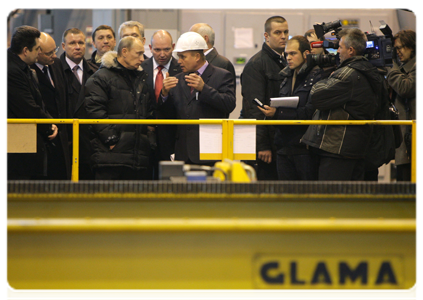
x,y
316,44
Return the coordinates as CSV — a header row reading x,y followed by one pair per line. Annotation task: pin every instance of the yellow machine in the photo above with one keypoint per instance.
x,y
232,171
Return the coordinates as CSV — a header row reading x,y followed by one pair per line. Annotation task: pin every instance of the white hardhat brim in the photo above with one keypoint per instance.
x,y
190,41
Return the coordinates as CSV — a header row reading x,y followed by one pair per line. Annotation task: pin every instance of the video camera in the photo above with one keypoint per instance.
x,y
379,50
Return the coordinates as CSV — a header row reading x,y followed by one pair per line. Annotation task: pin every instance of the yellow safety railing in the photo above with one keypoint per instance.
x,y
214,224
227,131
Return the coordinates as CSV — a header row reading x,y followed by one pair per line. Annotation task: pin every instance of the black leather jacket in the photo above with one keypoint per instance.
x,y
260,79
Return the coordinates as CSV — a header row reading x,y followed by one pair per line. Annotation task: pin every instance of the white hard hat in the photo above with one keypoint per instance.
x,y
190,41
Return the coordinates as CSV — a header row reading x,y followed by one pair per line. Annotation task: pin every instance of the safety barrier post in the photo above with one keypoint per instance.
x,y
413,151
75,152
227,139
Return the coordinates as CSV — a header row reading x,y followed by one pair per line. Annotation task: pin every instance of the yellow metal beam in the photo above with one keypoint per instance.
x,y
75,151
207,225
414,152
227,143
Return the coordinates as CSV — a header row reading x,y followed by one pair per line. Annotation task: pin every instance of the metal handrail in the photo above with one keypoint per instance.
x,y
214,225
227,131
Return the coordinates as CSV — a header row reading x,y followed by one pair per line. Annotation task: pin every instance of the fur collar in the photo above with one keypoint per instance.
x,y
109,61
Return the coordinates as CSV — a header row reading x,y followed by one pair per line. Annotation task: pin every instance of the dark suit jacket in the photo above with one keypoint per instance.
x,y
55,100
220,61
215,101
24,100
76,106
165,133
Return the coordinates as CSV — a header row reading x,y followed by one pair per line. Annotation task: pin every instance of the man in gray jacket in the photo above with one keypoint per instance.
x,y
346,95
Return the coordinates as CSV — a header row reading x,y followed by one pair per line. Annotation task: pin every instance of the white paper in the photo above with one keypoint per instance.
x,y
244,139
290,102
243,38
210,138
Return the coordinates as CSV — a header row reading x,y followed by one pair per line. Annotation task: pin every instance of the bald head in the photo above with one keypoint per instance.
x,y
48,50
161,47
206,31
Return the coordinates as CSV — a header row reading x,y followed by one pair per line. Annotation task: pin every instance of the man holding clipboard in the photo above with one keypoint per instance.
x,y
294,160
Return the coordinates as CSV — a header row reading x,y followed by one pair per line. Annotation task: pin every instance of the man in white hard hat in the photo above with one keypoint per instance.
x,y
211,53
201,91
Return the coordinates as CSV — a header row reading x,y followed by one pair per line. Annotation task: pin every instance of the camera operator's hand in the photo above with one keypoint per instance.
x,y
54,134
268,111
265,155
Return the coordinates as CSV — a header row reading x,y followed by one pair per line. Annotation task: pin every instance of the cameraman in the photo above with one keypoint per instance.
x,y
402,79
312,37
293,159
346,95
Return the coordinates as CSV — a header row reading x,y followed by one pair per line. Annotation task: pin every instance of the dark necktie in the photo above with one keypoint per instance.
x,y
75,72
45,71
159,82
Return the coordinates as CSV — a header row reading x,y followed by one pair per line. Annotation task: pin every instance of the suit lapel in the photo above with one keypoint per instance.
x,y
43,78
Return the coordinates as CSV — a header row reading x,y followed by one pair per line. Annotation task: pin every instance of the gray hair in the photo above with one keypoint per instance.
x,y
131,24
355,38
205,29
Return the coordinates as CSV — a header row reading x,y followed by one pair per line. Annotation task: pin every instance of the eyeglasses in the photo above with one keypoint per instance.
x,y
51,53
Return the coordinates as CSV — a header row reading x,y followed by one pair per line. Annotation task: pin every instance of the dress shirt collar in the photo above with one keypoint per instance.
x,y
40,66
201,70
208,51
167,66
72,64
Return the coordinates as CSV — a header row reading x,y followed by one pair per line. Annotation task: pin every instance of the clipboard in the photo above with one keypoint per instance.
x,y
287,102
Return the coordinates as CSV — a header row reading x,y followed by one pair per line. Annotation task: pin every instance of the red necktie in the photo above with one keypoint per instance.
x,y
159,82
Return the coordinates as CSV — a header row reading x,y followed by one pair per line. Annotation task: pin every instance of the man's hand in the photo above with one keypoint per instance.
x,y
195,81
54,134
268,111
265,156
168,83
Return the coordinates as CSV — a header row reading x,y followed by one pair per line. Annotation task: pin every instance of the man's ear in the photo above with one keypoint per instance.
x,y
25,51
305,54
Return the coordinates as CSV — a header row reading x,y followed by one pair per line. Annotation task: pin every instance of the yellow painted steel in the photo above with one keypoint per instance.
x,y
203,259
213,225
209,205
75,151
414,152
227,127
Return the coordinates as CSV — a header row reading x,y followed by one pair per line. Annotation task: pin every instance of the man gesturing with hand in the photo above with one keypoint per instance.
x,y
200,91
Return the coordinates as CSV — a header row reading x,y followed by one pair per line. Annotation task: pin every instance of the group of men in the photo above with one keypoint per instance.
x,y
354,89
121,84
125,84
